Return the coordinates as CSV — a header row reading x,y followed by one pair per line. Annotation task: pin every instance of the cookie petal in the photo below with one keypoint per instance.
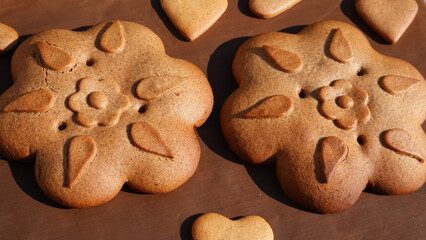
x,y
35,101
147,138
347,122
340,49
333,151
271,107
397,85
53,57
154,87
112,40
81,152
400,141
287,61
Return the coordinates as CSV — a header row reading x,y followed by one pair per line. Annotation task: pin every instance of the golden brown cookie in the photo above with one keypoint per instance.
x,y
212,226
334,115
193,18
8,38
389,18
270,8
101,108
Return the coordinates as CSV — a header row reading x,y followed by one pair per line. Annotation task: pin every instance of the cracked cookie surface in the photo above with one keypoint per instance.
x,y
100,108
330,112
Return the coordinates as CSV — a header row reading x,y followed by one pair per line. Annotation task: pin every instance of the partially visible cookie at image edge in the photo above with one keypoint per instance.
x,y
270,8
212,226
8,38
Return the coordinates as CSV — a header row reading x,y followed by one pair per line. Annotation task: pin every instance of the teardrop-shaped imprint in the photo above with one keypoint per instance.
x,y
53,57
112,40
81,152
333,152
35,101
287,61
271,107
147,138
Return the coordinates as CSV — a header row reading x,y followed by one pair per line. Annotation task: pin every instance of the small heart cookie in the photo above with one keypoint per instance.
x,y
193,18
270,8
8,37
389,18
213,226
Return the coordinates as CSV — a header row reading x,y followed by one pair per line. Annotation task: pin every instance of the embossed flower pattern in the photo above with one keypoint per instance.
x,y
345,104
98,102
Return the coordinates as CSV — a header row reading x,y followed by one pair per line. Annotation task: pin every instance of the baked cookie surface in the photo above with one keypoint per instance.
x,y
213,226
389,18
8,38
334,115
101,108
270,8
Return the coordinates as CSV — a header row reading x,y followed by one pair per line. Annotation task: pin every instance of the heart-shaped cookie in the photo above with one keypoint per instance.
x,y
193,18
389,18
270,8
213,226
8,37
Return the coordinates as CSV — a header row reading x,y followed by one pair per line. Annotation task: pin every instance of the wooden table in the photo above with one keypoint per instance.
x,y
222,182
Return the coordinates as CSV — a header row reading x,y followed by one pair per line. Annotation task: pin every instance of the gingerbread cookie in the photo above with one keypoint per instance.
x,y
389,18
270,8
101,108
8,38
212,226
334,115
193,18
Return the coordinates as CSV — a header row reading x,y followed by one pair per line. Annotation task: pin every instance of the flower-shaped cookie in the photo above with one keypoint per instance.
x,y
101,108
334,115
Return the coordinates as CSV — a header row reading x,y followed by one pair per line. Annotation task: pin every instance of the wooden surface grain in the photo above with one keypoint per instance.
x,y
222,183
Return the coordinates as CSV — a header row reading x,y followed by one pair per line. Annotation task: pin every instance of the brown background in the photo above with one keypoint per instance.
x,y
222,183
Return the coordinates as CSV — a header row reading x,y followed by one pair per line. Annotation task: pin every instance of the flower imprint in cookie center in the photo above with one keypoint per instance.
x,y
345,104
98,102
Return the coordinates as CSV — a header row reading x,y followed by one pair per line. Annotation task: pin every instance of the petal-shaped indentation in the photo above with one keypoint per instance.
x,y
112,39
154,87
342,84
400,141
34,101
340,49
360,96
81,152
363,113
147,138
346,123
396,85
329,110
213,226
53,57
287,61
327,93
271,107
333,151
